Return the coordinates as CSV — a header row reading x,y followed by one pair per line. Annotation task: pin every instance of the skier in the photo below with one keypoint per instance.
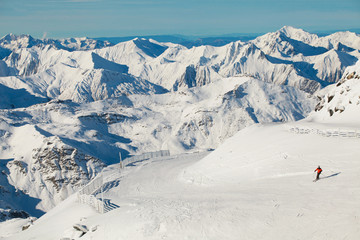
x,y
318,170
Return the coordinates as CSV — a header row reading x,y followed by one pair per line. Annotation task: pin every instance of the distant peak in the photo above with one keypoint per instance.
x,y
297,34
12,36
9,35
286,28
140,40
289,30
150,48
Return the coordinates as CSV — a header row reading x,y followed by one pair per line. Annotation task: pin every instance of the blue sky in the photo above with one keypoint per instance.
x,y
115,18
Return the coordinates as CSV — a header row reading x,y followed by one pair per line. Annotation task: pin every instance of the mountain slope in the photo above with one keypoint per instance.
x,y
79,76
341,102
289,56
51,149
258,184
348,39
17,98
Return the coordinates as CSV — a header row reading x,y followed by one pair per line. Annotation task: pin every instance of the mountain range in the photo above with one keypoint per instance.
x,y
69,107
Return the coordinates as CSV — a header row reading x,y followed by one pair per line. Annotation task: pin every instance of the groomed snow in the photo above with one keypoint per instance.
x,y
257,185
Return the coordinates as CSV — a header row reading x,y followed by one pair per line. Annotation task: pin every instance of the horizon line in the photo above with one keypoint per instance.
x,y
192,36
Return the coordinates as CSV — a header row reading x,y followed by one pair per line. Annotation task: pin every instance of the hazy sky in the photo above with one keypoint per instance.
x,y
110,18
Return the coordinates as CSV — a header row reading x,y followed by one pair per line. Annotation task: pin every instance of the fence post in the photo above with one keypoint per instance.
x,y
102,190
120,162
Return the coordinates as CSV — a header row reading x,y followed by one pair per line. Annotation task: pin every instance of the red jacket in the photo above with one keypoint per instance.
x,y
319,170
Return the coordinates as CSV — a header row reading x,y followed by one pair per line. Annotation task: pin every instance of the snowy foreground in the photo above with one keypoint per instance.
x,y
256,185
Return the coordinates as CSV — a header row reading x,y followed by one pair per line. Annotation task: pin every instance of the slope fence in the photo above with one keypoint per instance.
x,y
130,160
92,201
328,132
87,195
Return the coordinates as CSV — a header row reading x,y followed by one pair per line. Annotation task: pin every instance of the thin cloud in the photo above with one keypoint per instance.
x,y
44,35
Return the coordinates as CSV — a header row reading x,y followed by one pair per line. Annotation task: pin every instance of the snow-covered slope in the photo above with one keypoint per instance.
x,y
79,76
257,185
17,98
203,117
55,147
345,39
288,42
306,52
341,101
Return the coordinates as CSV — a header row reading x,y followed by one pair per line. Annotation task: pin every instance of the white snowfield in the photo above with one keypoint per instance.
x,y
257,185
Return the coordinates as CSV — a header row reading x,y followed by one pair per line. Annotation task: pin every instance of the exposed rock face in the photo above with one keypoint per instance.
x,y
346,93
194,76
11,213
64,166
54,172
105,118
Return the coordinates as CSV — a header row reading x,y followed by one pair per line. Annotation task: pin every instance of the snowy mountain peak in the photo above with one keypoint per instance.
x,y
298,34
11,41
289,31
12,37
347,38
149,47
14,42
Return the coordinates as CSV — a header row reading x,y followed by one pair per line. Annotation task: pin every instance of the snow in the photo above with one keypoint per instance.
x,y
339,103
289,56
347,38
244,100
12,42
68,212
258,184
17,98
51,149
13,226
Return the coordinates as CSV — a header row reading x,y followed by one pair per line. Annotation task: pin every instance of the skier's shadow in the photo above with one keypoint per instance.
x,y
332,175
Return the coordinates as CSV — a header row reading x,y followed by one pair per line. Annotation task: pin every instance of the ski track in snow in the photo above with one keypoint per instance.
x,y
157,201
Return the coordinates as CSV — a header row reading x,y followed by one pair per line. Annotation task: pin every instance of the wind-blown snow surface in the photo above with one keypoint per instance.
x,y
257,185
